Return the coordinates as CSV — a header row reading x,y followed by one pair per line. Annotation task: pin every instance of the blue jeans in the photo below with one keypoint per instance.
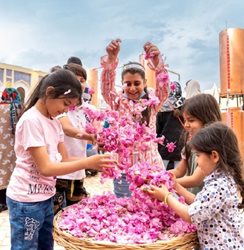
x,y
31,224
121,187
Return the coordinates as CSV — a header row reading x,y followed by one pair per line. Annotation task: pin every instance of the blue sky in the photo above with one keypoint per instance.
x,y
41,34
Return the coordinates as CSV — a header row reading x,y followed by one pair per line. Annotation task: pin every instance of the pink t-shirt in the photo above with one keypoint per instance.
x,y
34,130
117,101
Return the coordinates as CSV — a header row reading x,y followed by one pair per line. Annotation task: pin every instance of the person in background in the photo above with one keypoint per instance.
x,y
134,90
10,112
170,124
198,111
215,211
86,89
55,68
192,88
41,156
86,96
74,59
70,188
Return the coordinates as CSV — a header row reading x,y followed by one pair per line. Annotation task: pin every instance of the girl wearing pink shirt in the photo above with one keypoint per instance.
x,y
41,156
134,86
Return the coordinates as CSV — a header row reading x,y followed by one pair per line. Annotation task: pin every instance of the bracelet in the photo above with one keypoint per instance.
x,y
166,197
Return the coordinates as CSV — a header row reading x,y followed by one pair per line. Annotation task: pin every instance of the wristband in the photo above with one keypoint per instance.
x,y
166,198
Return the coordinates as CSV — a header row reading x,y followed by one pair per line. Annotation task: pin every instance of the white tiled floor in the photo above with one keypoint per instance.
x,y
92,185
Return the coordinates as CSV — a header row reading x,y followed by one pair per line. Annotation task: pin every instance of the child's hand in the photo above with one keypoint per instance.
x,y
157,192
152,52
93,139
79,135
100,162
172,175
113,49
174,179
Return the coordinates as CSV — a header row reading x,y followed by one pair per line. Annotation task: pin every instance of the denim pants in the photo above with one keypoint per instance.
x,y
121,187
31,224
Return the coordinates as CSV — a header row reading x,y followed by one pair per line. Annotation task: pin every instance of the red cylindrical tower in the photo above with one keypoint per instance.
x,y
234,118
231,44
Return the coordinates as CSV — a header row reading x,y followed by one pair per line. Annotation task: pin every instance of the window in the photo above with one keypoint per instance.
x,y
1,75
9,73
21,76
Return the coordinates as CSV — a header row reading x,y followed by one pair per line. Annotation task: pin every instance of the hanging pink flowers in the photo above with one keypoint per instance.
x,y
163,79
124,136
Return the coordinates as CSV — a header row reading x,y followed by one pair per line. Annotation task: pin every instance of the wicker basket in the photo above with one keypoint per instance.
x,y
69,242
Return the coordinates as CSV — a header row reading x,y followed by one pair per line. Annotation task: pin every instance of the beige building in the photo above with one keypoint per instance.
x,y
23,79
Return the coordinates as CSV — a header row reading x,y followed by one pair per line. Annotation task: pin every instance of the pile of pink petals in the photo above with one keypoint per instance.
x,y
136,220
122,135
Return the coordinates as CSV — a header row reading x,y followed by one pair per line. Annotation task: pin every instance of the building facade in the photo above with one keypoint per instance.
x,y
20,78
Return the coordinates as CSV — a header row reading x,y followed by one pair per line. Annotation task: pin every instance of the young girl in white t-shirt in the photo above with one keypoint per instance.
x,y
41,155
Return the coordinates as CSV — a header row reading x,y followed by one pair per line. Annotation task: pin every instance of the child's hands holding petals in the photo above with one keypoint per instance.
x,y
152,52
174,179
157,192
113,49
172,175
100,162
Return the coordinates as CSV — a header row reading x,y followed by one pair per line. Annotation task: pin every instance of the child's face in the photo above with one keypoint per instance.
x,y
59,106
192,124
133,85
82,81
206,162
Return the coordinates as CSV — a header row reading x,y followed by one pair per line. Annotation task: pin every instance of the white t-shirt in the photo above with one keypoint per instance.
x,y
75,147
34,130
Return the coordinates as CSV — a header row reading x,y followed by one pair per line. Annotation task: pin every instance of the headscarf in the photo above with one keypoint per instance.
x,y
174,100
12,96
192,88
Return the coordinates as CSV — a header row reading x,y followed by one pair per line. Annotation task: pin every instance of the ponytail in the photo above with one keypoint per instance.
x,y
34,96
63,81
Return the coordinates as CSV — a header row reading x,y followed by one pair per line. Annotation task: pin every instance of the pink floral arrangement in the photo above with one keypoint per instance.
x,y
138,219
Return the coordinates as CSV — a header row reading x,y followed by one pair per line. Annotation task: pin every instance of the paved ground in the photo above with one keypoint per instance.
x,y
93,186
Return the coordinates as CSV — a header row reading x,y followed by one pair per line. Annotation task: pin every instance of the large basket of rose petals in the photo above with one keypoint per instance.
x,y
137,222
